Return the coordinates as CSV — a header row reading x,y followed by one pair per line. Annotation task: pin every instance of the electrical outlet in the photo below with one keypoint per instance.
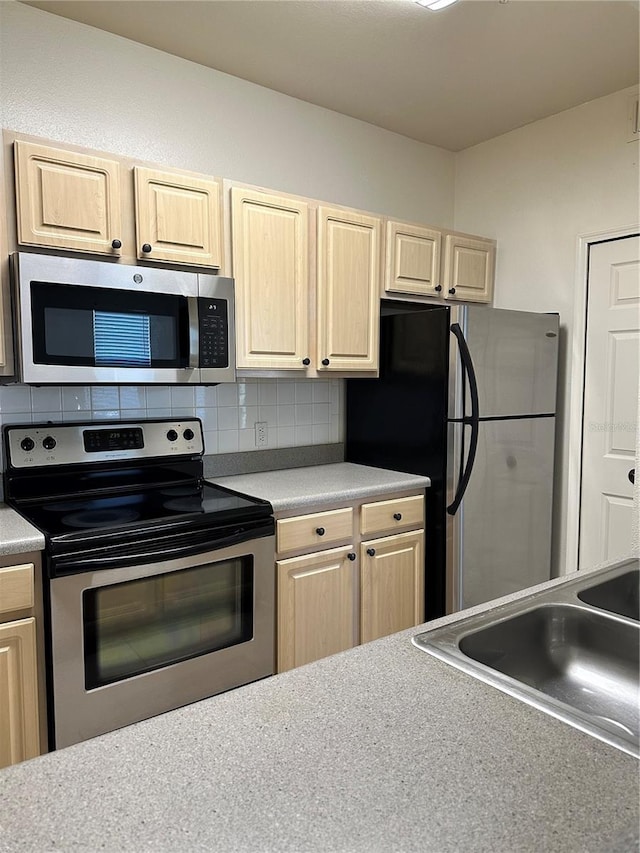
x,y
261,433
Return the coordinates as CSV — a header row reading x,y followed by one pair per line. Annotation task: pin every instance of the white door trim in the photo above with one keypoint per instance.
x,y
576,399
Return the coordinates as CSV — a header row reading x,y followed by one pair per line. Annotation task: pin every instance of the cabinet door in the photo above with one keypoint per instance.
x,y
412,263
19,734
348,290
67,200
316,607
391,584
270,249
178,218
469,268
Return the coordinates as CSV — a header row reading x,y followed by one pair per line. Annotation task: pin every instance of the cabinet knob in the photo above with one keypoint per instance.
x,y
438,288
632,475
116,244
320,531
325,361
306,361
146,248
351,556
452,290
371,552
397,516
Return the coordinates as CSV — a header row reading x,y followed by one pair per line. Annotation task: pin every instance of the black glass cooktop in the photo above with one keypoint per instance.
x,y
173,503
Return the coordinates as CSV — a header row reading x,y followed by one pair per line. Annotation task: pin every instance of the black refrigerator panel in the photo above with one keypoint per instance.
x,y
399,421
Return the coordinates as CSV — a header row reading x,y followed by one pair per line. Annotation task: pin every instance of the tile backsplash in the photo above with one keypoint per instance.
x,y
297,412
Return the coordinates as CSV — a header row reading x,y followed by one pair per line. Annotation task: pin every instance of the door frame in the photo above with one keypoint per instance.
x,y
578,345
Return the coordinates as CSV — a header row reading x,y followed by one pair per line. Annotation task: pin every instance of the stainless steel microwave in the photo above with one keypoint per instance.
x,y
92,322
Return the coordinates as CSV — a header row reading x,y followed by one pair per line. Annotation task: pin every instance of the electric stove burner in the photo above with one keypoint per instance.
x,y
101,517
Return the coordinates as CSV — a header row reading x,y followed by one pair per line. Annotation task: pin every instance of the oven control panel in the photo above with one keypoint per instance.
x,y
36,445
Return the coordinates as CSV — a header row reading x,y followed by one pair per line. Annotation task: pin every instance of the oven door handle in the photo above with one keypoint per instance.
x,y
78,563
194,332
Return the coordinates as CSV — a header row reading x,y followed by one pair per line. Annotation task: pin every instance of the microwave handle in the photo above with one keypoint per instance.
x,y
194,332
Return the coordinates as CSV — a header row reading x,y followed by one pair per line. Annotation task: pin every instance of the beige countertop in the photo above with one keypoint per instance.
x,y
316,485
17,536
379,749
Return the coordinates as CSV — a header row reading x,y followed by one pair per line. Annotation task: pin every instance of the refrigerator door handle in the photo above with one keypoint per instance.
x,y
472,421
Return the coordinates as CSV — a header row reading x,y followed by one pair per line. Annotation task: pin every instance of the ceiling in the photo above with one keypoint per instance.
x,y
451,78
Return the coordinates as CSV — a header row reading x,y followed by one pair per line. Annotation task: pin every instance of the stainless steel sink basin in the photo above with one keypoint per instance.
x,y
618,595
571,651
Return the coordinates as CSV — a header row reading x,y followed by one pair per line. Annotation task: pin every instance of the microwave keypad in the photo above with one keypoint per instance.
x,y
214,333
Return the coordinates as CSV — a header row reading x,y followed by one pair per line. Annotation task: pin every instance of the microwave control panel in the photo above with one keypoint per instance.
x,y
213,320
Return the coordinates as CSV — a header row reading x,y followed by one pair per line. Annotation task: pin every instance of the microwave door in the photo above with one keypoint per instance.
x,y
90,322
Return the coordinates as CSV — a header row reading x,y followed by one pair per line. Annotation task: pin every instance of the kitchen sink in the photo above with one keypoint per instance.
x,y
571,651
619,595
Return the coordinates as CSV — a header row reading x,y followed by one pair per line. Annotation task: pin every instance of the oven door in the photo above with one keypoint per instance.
x,y
133,642
90,322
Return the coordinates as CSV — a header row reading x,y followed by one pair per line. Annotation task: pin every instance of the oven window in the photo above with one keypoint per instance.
x,y
146,624
97,326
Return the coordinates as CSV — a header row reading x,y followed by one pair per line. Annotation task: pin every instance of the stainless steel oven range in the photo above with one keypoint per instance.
x,y
159,586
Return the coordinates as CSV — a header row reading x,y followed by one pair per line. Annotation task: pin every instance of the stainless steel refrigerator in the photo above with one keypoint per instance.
x,y
467,396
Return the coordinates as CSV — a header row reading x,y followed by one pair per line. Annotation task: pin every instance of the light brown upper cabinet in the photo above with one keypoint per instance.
x,y
270,250
412,259
178,218
426,262
469,268
88,203
348,306
67,200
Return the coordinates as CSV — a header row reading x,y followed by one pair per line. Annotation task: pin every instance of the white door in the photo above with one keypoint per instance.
x,y
610,416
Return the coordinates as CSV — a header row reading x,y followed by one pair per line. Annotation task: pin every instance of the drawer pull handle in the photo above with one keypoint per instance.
x,y
320,531
116,244
371,552
397,516
146,248
351,556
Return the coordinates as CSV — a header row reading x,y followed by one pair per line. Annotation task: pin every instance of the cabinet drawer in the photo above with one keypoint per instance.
x,y
315,530
16,588
389,515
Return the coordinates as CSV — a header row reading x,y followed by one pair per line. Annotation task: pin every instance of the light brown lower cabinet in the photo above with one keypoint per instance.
x,y
316,606
391,584
19,722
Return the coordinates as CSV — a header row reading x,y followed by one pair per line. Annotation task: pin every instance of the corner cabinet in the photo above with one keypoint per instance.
x,y
348,290
469,268
270,253
79,201
348,575
424,261
19,681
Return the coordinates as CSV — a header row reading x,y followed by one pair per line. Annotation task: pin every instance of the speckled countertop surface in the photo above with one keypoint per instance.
x,y
382,748
321,484
17,536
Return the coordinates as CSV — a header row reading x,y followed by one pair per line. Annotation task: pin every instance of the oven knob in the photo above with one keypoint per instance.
x,y
188,434
27,444
48,442
172,435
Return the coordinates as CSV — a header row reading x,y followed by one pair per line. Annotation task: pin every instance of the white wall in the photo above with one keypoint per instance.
x,y
66,81
536,189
